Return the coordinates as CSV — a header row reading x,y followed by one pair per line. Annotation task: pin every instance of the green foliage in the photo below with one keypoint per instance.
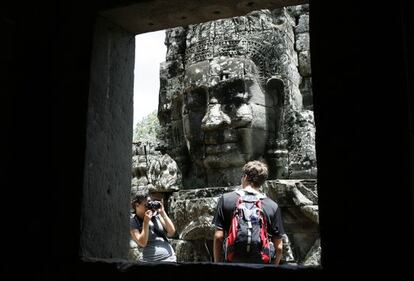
x,y
146,130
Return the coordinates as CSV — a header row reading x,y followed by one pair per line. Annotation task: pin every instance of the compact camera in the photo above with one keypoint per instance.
x,y
153,205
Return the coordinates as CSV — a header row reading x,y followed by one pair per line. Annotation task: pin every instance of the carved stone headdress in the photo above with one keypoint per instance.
x,y
256,36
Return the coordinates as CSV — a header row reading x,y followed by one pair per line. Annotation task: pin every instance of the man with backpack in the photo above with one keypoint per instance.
x,y
249,225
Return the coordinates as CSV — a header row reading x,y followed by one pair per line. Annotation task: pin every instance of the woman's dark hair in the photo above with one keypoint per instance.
x,y
137,199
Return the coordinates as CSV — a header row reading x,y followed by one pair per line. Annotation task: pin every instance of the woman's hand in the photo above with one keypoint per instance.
x,y
147,216
166,221
161,209
141,237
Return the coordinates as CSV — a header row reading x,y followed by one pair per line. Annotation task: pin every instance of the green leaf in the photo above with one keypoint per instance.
x,y
146,129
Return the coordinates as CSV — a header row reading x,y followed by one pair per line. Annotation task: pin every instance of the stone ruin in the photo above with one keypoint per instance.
x,y
231,91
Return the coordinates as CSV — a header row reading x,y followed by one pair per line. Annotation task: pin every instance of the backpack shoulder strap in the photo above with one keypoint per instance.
x,y
243,192
240,192
157,228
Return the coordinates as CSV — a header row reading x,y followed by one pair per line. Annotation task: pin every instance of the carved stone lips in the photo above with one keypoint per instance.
x,y
220,148
220,137
224,159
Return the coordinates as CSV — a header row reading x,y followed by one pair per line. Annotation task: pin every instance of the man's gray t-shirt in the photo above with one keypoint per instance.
x,y
157,249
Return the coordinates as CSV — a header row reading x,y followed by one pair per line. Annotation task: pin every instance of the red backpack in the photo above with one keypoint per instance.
x,y
247,238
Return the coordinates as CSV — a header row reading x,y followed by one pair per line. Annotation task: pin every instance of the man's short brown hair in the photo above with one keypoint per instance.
x,y
256,172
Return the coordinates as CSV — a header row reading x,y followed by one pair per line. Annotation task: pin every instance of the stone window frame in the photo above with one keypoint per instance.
x,y
98,223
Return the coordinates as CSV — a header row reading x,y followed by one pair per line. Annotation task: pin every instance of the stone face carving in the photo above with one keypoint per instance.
x,y
227,116
231,91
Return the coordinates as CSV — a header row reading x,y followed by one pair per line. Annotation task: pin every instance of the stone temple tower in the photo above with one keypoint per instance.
x,y
231,91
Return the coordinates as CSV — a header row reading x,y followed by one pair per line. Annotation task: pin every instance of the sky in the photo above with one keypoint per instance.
x,y
150,51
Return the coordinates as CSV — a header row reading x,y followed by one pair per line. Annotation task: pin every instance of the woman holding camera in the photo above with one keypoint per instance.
x,y
149,228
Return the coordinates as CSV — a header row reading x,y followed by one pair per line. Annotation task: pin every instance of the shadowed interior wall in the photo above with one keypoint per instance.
x,y
105,202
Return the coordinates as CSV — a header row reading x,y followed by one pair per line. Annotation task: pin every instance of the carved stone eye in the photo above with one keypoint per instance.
x,y
213,101
229,107
240,96
280,21
196,99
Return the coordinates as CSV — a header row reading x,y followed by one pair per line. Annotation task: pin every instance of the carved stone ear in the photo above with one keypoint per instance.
x,y
275,87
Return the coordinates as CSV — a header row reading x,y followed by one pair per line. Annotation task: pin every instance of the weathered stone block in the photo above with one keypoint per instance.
x,y
302,42
193,251
305,64
192,212
306,90
303,24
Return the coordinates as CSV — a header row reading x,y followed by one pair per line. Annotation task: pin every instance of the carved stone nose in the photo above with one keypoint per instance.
x,y
213,101
215,118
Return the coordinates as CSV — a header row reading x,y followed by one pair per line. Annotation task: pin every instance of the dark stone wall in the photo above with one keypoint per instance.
x,y
106,188
362,71
363,127
44,136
